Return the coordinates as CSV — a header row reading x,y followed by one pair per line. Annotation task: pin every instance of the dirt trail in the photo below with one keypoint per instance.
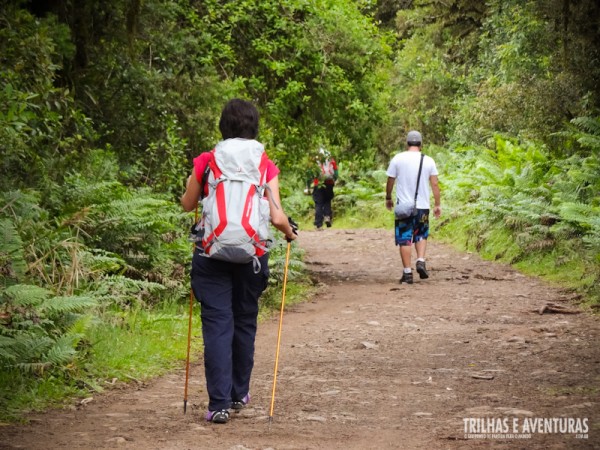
x,y
371,364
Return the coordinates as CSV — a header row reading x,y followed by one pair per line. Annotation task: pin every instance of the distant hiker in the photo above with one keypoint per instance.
x,y
412,172
228,279
322,180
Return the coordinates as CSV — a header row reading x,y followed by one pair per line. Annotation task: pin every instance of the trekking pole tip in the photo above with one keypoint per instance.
x,y
184,406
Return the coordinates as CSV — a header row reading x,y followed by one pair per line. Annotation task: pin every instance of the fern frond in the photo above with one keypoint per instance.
x,y
592,142
7,353
579,213
25,295
28,347
62,351
22,204
102,262
32,353
60,305
12,261
81,325
7,357
32,367
118,289
585,131
588,124
6,341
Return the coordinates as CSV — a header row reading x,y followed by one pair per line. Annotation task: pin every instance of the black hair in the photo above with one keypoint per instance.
x,y
239,119
414,144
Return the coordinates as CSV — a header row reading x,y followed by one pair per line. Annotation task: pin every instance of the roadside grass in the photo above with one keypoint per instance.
x,y
22,394
143,343
121,347
565,265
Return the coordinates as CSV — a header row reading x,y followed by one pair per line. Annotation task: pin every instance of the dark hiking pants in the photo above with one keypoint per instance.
x,y
322,196
228,294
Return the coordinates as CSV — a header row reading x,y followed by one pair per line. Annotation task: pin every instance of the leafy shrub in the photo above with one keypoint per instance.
x,y
515,201
39,331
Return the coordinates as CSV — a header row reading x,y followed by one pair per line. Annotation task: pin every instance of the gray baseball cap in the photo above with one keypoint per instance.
x,y
414,136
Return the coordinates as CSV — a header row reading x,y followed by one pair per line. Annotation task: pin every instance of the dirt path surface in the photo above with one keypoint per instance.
x,y
372,364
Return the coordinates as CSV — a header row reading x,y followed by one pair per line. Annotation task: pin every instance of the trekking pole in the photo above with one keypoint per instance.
x,y
189,336
285,273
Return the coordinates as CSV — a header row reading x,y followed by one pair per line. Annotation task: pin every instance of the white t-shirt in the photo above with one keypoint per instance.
x,y
404,167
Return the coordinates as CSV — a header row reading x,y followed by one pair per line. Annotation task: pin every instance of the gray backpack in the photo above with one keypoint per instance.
x,y
235,214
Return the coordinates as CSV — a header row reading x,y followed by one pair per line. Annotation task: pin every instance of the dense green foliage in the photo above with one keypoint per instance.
x,y
104,104
517,204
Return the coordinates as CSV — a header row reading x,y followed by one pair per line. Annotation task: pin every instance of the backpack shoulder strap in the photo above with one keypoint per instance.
x,y
212,164
419,177
262,168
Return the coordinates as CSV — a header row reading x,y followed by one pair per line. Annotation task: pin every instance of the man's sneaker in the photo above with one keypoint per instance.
x,y
406,278
238,405
422,269
221,416
328,221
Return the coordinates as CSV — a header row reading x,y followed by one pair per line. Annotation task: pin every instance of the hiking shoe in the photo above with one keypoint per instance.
x,y
406,278
238,405
221,416
422,269
328,221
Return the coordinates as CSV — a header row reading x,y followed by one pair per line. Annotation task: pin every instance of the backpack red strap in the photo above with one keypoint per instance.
x,y
262,168
252,233
220,199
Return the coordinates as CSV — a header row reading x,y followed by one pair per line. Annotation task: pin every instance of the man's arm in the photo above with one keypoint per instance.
x,y
388,192
435,188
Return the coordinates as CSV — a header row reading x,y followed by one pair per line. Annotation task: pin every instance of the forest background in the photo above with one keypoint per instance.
x,y
103,105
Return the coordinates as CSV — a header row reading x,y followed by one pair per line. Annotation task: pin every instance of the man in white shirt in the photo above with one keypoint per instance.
x,y
404,172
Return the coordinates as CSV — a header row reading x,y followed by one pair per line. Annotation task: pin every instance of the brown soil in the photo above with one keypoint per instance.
x,y
371,364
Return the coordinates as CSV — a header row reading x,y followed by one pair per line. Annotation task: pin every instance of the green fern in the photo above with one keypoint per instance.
x,y
7,353
29,349
579,214
62,351
82,325
590,137
100,262
25,295
541,203
123,291
12,261
41,331
60,305
34,352
24,205
147,231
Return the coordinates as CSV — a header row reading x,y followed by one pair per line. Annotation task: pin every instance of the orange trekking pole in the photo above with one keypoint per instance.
x,y
285,273
189,337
